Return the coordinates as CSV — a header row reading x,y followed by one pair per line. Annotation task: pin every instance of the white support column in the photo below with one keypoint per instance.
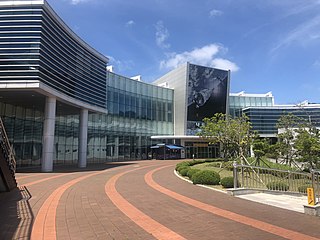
x,y
116,148
83,138
48,135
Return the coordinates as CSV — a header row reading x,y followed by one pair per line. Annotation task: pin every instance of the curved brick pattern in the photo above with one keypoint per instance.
x,y
72,204
158,230
44,226
285,233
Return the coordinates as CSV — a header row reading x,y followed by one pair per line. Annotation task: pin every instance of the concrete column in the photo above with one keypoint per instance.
x,y
48,135
116,148
83,139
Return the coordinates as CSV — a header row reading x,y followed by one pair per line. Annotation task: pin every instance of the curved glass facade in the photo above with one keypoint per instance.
x,y
24,127
36,45
20,37
136,111
69,66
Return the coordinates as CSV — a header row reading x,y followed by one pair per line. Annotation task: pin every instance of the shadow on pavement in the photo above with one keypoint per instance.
x,y
17,216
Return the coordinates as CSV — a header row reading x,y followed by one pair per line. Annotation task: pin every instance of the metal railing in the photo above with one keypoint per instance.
x,y
6,148
253,177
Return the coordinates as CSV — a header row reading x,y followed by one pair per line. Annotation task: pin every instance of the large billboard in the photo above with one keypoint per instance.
x,y
207,94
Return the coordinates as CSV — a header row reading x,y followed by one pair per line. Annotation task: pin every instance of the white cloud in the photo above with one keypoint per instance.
x,y
130,23
215,13
304,33
224,64
206,55
162,34
120,65
75,2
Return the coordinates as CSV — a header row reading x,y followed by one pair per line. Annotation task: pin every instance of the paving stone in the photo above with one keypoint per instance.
x,y
84,211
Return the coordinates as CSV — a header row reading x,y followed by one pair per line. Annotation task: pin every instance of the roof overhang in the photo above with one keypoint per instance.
x,y
176,137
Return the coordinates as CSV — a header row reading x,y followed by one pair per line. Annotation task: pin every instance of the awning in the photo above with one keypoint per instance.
x,y
174,147
168,146
154,147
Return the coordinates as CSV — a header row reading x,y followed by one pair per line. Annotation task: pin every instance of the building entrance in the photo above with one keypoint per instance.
x,y
201,150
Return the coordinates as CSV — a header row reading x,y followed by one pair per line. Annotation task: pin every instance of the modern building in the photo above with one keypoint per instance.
x,y
58,102
241,100
62,104
264,114
264,119
199,92
136,111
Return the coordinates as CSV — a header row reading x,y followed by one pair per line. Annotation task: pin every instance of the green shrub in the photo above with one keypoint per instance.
x,y
303,188
280,186
214,164
194,162
228,182
184,170
214,160
206,177
192,171
182,164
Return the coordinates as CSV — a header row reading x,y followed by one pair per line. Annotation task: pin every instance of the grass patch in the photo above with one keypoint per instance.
x,y
210,166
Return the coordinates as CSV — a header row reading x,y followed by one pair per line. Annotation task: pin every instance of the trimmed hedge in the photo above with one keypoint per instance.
x,y
184,170
208,177
228,182
182,164
195,162
281,186
192,171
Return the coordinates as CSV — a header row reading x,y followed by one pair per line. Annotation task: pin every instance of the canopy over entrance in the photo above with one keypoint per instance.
x,y
167,151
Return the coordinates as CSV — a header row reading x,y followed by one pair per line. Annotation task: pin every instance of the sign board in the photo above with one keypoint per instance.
x,y
207,93
183,154
311,198
200,144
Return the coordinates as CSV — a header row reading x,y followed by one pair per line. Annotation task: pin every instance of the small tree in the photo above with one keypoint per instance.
x,y
216,129
274,151
288,125
260,149
307,144
233,134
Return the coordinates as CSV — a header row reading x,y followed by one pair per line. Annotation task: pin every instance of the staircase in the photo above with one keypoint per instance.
x,y
7,162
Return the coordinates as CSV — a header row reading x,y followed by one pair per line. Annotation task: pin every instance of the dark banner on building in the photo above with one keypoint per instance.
x,y
207,95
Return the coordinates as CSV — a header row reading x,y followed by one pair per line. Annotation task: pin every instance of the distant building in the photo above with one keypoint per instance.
x,y
241,100
264,114
265,119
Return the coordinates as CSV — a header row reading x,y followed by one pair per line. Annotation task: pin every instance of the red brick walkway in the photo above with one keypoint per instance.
x,y
138,200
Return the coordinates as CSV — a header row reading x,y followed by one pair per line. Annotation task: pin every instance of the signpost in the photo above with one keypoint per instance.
x,y
311,198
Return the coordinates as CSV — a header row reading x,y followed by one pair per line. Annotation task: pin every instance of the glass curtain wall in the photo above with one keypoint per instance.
x,y
24,129
264,120
36,45
66,139
136,111
237,103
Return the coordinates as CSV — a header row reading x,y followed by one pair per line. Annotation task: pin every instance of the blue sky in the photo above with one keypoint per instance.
x,y
271,45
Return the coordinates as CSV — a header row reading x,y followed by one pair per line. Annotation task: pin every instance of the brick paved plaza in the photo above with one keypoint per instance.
x,y
137,200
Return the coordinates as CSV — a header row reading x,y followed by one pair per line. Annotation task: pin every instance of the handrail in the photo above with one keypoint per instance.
x,y
5,144
248,176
